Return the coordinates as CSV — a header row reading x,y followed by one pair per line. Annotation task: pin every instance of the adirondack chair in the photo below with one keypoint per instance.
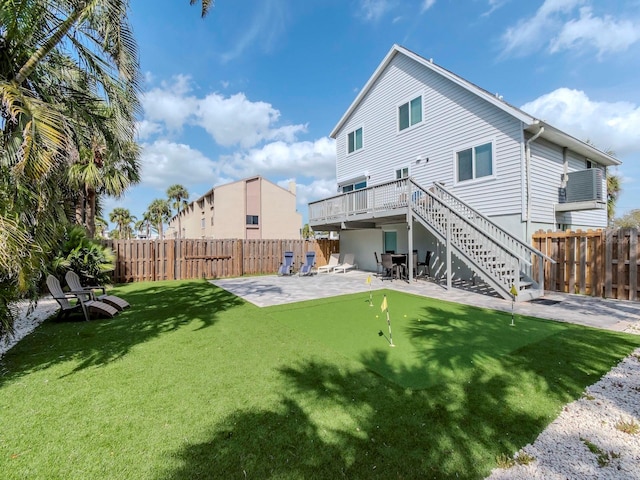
x,y
73,280
307,266
82,304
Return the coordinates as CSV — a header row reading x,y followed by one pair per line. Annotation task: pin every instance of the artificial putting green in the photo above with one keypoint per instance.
x,y
435,341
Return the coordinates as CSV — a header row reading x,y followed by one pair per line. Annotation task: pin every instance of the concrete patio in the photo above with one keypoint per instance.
x,y
263,291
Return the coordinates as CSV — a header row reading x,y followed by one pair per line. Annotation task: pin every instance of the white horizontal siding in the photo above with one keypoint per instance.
x,y
546,170
452,118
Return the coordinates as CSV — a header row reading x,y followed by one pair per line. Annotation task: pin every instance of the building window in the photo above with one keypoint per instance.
x,y
475,162
354,140
252,219
354,186
410,113
402,173
202,223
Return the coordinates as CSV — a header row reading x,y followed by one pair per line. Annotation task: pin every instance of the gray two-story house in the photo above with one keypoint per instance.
x,y
427,161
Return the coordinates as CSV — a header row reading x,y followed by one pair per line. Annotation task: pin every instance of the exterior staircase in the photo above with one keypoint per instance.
x,y
500,259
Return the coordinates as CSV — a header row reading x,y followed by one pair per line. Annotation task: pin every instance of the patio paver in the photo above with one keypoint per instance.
x,y
263,291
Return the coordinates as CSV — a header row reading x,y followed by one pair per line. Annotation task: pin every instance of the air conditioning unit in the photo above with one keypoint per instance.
x,y
585,185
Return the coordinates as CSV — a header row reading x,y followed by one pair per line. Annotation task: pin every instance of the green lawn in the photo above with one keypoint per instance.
x,y
192,382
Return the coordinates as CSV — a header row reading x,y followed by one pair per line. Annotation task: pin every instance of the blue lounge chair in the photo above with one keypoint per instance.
x,y
306,267
286,267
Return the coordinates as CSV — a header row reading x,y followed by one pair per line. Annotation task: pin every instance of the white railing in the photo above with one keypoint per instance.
x,y
499,256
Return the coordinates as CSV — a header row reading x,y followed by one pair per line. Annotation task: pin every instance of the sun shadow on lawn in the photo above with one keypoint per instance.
x,y
338,421
336,424
156,308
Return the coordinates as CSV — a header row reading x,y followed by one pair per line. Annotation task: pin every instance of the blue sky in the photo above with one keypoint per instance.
x,y
257,86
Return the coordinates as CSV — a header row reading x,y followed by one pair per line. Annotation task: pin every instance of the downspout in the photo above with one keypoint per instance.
x,y
527,150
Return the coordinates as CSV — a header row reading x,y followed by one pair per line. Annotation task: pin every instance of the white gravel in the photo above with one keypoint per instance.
x,y
560,452
27,322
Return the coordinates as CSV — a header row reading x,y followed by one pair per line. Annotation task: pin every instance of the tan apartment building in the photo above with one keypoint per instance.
x,y
253,208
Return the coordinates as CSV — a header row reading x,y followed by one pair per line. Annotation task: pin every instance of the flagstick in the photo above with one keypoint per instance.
x,y
389,323
370,291
513,300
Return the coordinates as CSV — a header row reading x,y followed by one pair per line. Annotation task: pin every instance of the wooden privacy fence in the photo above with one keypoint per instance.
x,y
150,260
600,263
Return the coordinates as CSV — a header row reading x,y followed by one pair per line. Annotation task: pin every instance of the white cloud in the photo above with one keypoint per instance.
x,y
170,105
309,159
236,120
230,120
373,10
560,25
529,34
606,34
165,163
609,125
146,129
427,4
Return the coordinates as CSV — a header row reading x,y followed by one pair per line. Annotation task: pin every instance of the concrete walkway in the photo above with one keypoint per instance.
x,y
617,315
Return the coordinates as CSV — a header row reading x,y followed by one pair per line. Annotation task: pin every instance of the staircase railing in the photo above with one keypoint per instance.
x,y
496,264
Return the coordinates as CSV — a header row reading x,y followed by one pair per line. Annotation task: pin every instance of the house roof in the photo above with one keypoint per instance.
x,y
531,124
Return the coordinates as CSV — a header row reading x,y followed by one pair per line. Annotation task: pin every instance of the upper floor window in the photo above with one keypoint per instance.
x,y
202,223
410,113
354,140
475,162
354,186
402,173
252,219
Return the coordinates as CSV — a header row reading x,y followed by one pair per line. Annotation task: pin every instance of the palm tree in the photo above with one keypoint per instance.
x,y
614,188
59,60
178,196
143,226
123,219
206,4
159,214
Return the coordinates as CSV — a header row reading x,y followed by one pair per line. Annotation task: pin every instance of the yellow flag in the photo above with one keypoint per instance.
x,y
384,306
369,280
514,292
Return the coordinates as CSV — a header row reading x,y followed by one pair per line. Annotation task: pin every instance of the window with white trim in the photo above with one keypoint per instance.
x,y
410,113
402,173
354,186
475,162
354,140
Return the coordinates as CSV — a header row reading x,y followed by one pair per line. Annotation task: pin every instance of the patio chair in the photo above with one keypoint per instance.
x,y
425,271
334,261
347,264
390,268
83,303
286,267
379,268
307,266
73,280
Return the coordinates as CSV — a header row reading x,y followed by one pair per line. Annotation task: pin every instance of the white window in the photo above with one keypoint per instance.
x,y
402,173
410,113
354,140
202,222
354,186
474,162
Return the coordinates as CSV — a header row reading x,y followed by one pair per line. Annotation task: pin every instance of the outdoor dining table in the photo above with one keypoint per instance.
x,y
400,259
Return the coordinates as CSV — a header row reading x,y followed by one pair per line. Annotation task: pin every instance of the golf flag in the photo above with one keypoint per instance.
x,y
513,291
369,280
384,306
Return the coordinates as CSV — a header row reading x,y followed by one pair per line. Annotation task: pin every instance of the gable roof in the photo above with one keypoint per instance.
x,y
531,124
